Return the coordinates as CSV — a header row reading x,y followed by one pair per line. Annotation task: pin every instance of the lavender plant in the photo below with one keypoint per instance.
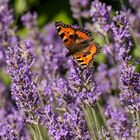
x,y
50,97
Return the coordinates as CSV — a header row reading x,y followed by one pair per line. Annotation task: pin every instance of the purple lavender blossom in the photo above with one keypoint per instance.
x,y
134,18
49,56
119,123
81,81
107,79
79,8
12,126
71,125
100,14
135,4
130,87
24,90
122,36
55,67
7,34
130,79
30,22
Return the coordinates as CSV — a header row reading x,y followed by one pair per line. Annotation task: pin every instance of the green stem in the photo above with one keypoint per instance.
x,y
134,39
96,120
106,39
80,22
33,132
37,126
90,123
38,129
102,116
138,123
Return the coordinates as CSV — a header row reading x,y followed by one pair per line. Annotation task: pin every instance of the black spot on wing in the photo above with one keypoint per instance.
x,y
66,40
80,61
70,36
62,35
85,55
83,64
78,57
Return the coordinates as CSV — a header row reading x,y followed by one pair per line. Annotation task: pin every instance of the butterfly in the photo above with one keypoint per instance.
x,y
79,43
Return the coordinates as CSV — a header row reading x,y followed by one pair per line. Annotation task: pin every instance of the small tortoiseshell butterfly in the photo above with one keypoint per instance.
x,y
79,43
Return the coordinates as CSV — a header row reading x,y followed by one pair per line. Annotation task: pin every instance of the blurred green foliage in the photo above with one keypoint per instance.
x,y
49,10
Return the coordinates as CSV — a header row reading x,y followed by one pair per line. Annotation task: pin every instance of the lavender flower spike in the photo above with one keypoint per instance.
x,y
71,126
130,87
130,79
7,34
100,14
79,8
120,125
24,91
12,127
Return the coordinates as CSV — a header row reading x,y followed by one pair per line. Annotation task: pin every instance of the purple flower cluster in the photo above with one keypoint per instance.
x,y
130,79
23,87
130,87
122,36
107,79
12,122
71,125
12,126
134,18
100,14
7,33
80,8
82,83
119,123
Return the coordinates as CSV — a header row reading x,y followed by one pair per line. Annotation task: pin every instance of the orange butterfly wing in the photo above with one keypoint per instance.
x,y
83,34
86,55
88,49
66,32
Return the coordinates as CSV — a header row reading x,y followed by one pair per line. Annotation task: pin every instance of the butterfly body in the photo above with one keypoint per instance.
x,y
79,43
